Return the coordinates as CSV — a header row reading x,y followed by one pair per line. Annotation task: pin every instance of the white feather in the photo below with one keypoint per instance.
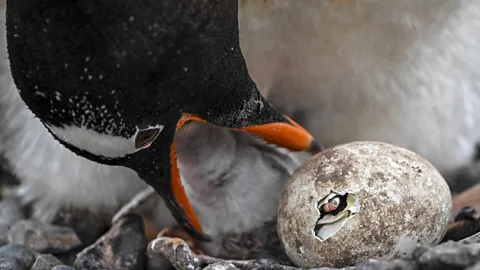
x,y
98,143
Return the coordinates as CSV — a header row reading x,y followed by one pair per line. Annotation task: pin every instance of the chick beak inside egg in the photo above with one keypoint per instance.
x,y
332,204
334,210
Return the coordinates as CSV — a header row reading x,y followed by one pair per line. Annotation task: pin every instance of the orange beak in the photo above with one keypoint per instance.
x,y
288,135
291,136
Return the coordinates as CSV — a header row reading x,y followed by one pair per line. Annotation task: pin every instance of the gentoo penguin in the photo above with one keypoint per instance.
x,y
404,72
67,180
114,81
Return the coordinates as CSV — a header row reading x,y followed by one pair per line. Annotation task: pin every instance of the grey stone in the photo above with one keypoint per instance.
x,y
385,265
328,268
87,225
157,261
15,257
63,267
270,264
43,238
122,247
178,253
450,255
221,266
45,262
471,239
68,258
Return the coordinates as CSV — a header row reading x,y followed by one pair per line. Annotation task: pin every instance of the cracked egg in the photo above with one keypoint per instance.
x,y
359,201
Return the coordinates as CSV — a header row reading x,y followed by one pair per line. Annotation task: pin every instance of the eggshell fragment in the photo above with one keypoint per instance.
x,y
396,200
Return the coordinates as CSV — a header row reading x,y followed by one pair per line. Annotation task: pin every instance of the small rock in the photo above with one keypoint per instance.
x,y
156,261
10,212
271,264
63,267
122,247
221,266
45,262
15,257
471,239
70,257
398,264
450,255
326,268
87,225
177,251
43,238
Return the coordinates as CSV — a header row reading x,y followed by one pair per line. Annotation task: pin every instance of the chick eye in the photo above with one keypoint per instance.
x,y
146,137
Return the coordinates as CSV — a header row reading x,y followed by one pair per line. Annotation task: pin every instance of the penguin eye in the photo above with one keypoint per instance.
x,y
146,137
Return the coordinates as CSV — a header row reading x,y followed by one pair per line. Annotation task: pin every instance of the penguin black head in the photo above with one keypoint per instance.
x,y
114,80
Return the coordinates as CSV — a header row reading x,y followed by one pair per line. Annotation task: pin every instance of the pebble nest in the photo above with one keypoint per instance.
x,y
79,240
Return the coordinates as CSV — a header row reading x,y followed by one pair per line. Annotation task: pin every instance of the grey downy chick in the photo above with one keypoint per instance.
x,y
404,72
234,182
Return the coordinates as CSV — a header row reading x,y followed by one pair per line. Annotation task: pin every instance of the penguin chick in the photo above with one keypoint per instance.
x,y
403,72
234,182
51,176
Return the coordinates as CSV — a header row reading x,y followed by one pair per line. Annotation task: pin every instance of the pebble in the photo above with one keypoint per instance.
x,y
68,258
156,261
221,266
87,225
63,267
385,265
122,247
43,238
450,255
16,257
177,252
45,262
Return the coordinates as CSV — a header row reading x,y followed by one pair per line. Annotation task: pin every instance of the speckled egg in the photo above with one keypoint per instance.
x,y
362,200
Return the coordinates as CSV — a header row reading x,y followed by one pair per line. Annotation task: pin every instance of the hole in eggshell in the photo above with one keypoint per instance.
x,y
334,211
